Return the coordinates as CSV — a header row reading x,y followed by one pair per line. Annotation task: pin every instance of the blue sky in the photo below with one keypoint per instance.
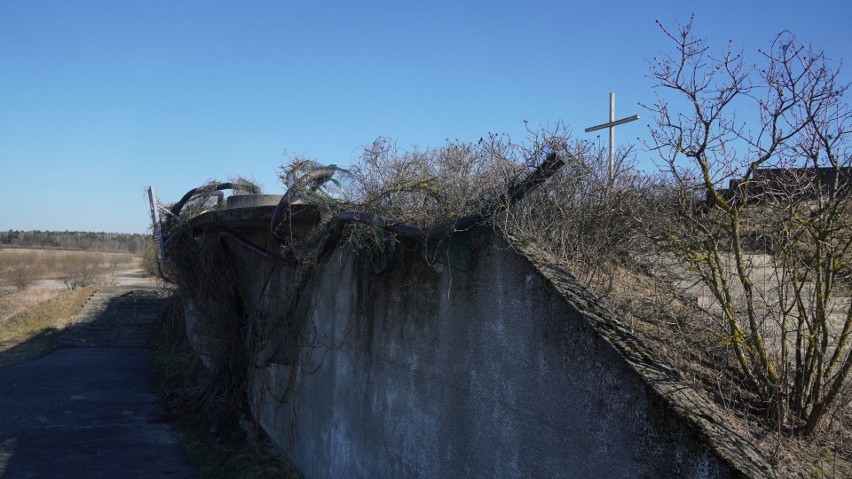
x,y
99,99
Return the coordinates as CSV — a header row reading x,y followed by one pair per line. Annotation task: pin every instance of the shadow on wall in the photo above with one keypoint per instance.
x,y
509,369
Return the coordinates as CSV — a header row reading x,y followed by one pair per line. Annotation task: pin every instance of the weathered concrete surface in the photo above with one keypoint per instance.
x,y
486,374
508,370
86,412
251,201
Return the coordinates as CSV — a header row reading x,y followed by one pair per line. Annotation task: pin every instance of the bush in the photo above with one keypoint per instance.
x,y
21,277
81,270
149,258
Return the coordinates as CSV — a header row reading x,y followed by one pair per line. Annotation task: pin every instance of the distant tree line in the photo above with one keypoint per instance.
x,y
75,240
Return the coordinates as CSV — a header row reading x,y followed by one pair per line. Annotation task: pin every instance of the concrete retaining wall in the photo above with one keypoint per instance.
x,y
508,370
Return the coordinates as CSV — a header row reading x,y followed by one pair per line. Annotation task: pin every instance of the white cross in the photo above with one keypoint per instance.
x,y
611,125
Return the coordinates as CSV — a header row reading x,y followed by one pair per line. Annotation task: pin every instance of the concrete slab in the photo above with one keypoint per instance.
x,y
251,201
87,412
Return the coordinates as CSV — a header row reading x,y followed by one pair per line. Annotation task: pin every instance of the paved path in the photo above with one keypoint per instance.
x,y
92,411
117,317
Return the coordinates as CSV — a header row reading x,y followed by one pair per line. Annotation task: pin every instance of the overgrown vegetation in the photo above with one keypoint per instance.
x,y
383,184
149,258
234,448
207,274
745,289
786,323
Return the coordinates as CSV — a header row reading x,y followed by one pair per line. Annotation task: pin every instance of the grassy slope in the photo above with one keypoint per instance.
x,y
34,332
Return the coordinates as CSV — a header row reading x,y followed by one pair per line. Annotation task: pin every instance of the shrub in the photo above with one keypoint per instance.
x,y
81,270
22,277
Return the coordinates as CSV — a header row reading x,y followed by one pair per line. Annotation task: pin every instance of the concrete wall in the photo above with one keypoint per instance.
x,y
508,370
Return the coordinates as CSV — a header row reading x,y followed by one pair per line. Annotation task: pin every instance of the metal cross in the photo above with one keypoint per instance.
x,y
611,125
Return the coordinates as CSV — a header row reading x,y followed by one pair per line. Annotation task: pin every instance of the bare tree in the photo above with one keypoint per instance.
x,y
773,248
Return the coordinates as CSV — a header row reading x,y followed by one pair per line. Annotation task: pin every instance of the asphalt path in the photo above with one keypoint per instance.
x,y
87,413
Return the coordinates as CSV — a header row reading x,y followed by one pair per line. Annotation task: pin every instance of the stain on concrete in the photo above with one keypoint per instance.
x,y
510,369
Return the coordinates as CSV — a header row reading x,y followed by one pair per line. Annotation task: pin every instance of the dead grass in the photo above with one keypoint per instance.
x,y
13,302
53,264
33,332
22,269
677,334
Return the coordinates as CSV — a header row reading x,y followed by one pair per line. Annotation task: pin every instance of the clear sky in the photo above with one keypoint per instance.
x,y
99,99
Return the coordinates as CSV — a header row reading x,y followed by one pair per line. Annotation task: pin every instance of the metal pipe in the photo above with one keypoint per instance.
x,y
208,190
315,177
